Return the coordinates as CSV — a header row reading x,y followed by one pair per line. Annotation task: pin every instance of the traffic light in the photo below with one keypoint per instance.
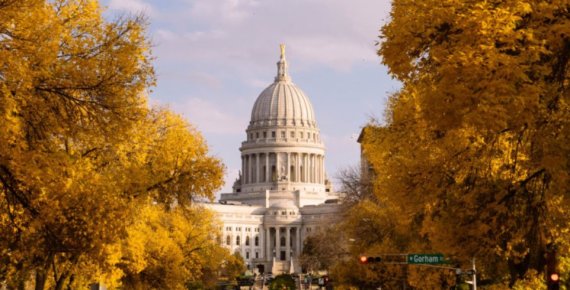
x,y
369,260
552,274
553,281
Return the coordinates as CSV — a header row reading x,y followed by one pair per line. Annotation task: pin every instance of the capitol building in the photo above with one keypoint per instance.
x,y
282,193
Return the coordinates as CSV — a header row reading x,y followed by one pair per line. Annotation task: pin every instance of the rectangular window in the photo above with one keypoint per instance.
x,y
256,134
272,134
283,134
264,134
257,255
292,134
247,255
301,135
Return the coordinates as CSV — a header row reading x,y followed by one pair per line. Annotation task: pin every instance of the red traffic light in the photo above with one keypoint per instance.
x,y
367,260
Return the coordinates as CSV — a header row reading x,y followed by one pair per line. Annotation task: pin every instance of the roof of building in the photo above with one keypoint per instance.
x,y
283,103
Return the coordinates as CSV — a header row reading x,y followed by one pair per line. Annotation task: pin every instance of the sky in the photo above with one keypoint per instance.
x,y
214,57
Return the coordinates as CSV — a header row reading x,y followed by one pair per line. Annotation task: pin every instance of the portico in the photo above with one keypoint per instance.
x,y
284,242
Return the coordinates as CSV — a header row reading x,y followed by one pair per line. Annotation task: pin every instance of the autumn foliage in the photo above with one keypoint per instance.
x,y
473,160
95,185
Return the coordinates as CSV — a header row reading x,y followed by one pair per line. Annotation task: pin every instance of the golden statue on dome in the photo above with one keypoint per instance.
x,y
282,46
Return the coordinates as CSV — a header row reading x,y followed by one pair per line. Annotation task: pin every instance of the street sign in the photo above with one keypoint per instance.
x,y
425,259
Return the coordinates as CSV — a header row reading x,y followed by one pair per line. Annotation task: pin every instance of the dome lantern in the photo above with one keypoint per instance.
x,y
282,75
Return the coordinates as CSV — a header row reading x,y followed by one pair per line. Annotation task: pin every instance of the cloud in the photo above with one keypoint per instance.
x,y
210,117
131,6
226,12
244,34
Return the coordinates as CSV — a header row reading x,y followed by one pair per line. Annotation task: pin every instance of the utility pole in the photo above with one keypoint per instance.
x,y
474,275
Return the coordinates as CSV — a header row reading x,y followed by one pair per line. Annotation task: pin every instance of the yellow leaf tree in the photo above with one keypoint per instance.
x,y
80,150
476,148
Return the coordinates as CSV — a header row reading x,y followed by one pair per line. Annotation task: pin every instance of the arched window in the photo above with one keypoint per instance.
x,y
247,241
228,240
256,240
237,241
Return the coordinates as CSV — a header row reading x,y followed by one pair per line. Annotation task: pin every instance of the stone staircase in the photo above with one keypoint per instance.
x,y
280,267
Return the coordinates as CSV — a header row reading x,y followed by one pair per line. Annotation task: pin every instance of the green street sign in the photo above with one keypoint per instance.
x,y
425,259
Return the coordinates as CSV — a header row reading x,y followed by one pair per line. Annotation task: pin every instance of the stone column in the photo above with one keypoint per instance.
x,y
288,166
252,243
246,168
260,248
317,169
277,165
297,165
266,167
250,164
242,169
277,244
312,165
241,246
297,241
268,245
257,178
320,169
288,244
307,168
302,167
323,173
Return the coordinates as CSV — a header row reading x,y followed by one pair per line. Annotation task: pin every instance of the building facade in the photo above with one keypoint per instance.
x,y
282,193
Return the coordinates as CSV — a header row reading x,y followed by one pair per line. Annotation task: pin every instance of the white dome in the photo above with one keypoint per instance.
x,y
282,103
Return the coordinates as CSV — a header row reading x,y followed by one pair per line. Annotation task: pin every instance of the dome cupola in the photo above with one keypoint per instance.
x,y
282,103
283,148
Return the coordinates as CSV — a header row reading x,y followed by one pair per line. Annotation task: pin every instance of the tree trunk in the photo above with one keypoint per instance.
x,y
40,279
22,284
61,281
69,284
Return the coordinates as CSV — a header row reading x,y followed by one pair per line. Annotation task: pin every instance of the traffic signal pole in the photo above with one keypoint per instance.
x,y
423,260
474,275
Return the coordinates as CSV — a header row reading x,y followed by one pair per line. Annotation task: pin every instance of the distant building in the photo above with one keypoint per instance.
x,y
282,193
